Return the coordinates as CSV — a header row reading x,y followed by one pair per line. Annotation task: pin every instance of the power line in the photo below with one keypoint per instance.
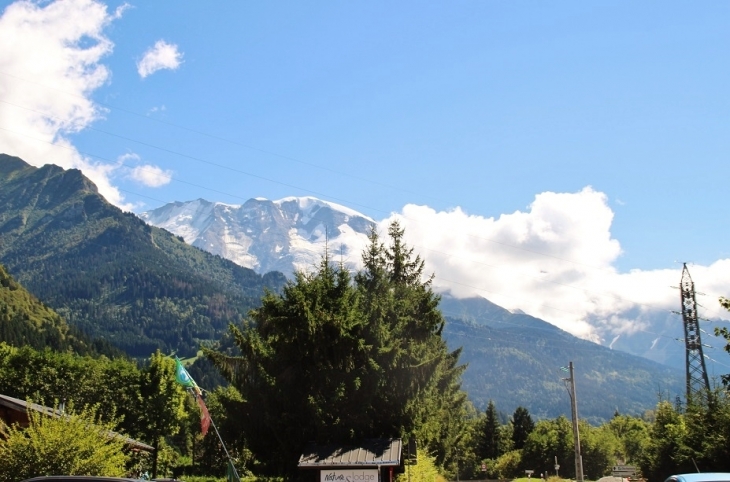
x,y
194,158
452,282
222,166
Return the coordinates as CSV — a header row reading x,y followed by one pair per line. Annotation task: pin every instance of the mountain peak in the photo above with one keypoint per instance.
x,y
284,235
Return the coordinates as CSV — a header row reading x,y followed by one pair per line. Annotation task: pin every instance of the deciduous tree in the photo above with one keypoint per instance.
x,y
71,444
163,403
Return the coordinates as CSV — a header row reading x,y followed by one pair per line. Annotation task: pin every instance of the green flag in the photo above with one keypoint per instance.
x,y
182,376
231,474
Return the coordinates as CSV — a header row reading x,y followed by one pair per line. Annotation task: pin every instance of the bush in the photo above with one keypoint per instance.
x,y
72,444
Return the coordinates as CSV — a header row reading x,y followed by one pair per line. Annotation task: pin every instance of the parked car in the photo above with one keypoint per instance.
x,y
700,477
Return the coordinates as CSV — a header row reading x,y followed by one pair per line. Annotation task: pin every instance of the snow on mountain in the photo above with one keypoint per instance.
x,y
285,235
292,233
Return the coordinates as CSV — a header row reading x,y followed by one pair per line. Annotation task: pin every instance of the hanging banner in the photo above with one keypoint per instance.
x,y
349,475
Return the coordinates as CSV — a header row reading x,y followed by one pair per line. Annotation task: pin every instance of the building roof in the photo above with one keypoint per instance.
x,y
371,452
21,406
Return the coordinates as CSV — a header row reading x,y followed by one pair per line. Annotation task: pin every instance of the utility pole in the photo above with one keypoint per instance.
x,y
574,415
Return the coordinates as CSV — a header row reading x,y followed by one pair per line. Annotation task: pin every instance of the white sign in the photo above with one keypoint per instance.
x,y
623,470
349,475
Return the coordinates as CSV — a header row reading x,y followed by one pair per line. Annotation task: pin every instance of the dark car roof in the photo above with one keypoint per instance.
x,y
78,478
701,477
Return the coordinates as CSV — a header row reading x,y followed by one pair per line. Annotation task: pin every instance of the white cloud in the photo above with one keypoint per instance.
x,y
145,174
156,109
151,176
160,56
554,261
50,63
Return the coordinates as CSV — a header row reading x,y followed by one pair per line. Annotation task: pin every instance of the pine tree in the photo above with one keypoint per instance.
x,y
523,425
337,360
490,433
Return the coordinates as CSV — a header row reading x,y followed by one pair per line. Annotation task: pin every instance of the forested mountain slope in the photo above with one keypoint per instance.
x,y
515,360
24,320
109,273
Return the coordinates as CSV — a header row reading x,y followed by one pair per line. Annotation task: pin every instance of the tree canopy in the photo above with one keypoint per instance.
x,y
337,359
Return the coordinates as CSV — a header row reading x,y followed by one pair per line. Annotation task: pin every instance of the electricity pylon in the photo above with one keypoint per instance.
x,y
697,381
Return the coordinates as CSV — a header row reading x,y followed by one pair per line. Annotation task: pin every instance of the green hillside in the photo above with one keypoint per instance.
x,y
514,359
110,274
25,321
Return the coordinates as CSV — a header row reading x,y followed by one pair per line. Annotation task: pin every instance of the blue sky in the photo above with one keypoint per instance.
x,y
619,108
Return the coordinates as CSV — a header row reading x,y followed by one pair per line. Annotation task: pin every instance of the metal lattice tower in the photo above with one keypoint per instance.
x,y
697,381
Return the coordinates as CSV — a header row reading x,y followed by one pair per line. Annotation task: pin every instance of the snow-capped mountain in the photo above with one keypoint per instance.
x,y
285,235
293,233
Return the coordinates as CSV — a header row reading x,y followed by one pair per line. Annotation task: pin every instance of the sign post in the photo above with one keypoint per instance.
x,y
623,471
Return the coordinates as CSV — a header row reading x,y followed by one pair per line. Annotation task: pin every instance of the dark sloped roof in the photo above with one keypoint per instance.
x,y
371,452
23,406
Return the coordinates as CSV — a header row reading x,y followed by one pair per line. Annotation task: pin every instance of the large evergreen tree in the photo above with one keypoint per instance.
x,y
336,360
523,425
490,433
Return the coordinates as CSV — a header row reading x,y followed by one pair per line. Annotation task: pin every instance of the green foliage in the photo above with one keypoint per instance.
x,y
632,434
490,440
224,405
666,452
523,425
45,376
337,361
418,379
507,465
425,470
550,439
513,360
72,444
24,320
163,402
600,449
